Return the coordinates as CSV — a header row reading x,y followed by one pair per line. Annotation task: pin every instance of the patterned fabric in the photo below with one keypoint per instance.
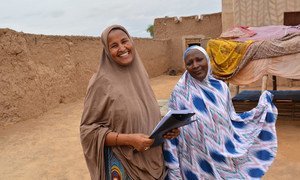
x,y
113,168
221,144
226,56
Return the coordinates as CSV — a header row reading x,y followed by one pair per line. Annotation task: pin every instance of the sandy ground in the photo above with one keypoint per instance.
x,y
49,147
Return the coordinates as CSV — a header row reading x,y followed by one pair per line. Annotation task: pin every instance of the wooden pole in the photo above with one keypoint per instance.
x,y
264,83
274,83
237,89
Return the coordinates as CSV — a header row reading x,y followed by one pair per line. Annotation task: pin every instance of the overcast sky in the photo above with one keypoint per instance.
x,y
90,17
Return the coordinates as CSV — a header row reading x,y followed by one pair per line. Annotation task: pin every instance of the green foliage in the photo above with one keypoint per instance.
x,y
150,30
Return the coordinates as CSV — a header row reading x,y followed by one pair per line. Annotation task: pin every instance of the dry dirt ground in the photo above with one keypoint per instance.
x,y
48,147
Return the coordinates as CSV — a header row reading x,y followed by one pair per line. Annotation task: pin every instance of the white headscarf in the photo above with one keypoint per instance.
x,y
202,50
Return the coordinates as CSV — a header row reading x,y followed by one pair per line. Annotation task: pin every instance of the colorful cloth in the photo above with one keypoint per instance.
x,y
113,167
226,56
221,144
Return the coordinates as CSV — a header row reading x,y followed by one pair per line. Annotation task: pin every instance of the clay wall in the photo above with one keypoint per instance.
x,y
187,30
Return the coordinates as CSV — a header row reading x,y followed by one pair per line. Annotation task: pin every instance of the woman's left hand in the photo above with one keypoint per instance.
x,y
172,134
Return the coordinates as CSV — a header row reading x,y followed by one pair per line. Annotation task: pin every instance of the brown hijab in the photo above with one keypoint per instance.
x,y
120,99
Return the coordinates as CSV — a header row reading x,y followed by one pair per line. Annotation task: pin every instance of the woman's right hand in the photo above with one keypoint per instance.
x,y
140,142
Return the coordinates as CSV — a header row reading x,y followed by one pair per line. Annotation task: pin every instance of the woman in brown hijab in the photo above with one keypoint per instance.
x,y
120,111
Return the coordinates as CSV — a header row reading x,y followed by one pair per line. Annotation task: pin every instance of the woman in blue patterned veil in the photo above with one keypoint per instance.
x,y
221,144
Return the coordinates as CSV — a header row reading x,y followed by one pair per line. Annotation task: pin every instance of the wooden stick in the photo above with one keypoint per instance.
x,y
264,83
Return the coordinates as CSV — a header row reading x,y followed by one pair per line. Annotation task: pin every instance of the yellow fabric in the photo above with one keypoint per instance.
x,y
226,55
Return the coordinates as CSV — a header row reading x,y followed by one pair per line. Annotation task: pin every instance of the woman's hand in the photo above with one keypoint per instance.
x,y
140,142
172,134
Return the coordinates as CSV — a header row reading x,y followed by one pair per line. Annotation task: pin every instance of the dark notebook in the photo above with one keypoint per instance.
x,y
173,119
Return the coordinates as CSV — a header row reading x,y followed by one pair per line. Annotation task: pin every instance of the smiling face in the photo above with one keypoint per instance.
x,y
196,64
120,47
